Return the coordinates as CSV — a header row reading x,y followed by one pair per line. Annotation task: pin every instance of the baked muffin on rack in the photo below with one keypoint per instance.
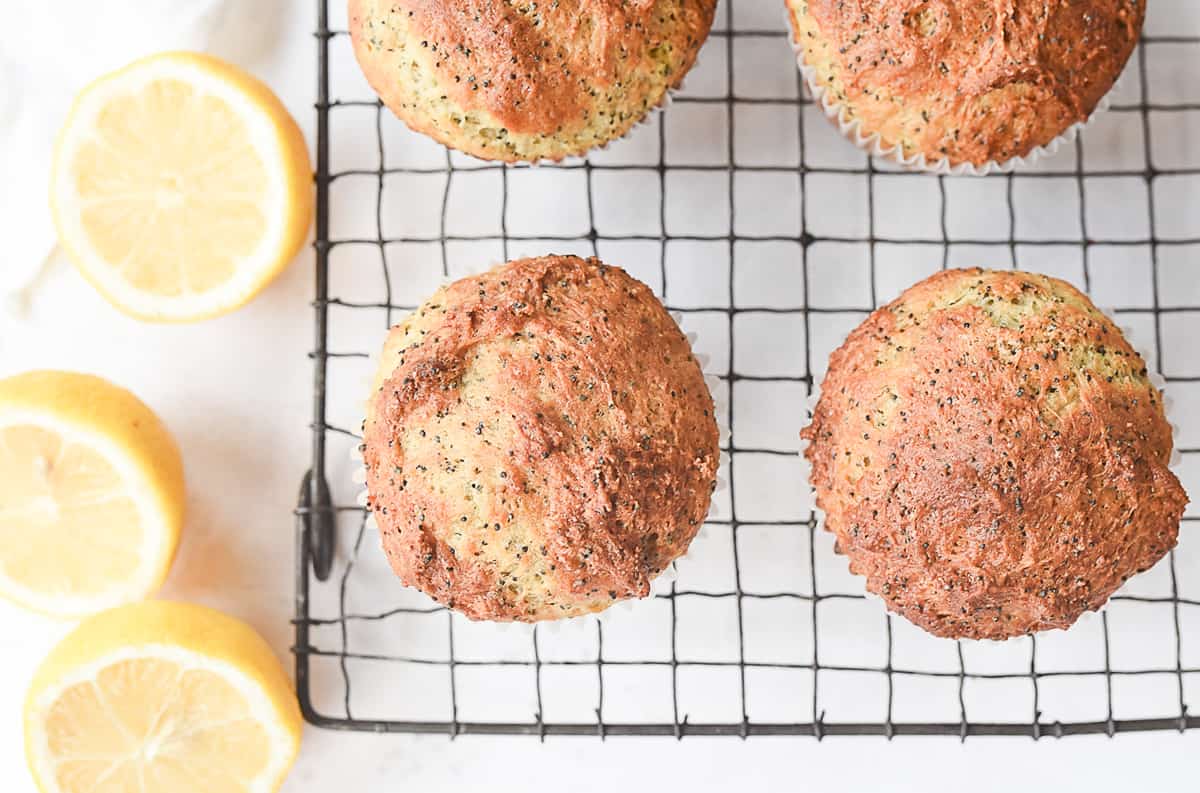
x,y
991,455
526,81
540,442
962,82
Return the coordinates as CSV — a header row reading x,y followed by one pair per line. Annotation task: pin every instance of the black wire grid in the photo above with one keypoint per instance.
x,y
765,633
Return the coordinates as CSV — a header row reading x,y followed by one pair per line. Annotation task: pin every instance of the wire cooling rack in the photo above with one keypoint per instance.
x,y
772,237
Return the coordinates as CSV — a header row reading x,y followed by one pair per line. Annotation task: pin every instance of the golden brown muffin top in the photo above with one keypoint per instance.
x,y
508,70
541,442
968,80
991,455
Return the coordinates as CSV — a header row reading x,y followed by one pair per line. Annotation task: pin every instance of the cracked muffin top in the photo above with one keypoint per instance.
x,y
526,81
540,443
969,81
991,455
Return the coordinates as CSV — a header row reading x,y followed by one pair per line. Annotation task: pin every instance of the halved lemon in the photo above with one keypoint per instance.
x,y
160,697
181,187
91,494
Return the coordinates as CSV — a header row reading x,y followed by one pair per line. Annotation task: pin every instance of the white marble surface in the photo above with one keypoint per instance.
x,y
236,390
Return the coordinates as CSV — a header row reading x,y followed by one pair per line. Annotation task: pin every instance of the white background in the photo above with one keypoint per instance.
x,y
236,392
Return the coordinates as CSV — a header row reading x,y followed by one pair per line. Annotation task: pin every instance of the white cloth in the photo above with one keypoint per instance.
x,y
48,51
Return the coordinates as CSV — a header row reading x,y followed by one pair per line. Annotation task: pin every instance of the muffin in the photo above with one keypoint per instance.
x,y
526,81
963,83
540,442
991,455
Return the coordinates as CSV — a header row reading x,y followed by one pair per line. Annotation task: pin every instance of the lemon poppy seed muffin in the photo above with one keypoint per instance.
x,y
540,443
968,81
991,455
526,81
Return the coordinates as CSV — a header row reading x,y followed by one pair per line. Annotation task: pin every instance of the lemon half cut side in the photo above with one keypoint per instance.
x,y
161,697
181,187
91,494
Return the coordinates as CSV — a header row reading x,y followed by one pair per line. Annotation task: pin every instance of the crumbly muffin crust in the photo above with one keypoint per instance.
x,y
991,456
541,442
971,81
510,80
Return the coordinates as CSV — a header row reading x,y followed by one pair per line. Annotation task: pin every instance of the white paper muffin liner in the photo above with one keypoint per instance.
x,y
872,143
661,584
1176,460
